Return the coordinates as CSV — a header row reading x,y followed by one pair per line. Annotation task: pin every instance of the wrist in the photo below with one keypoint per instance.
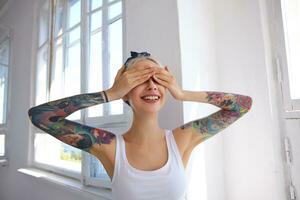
x,y
182,96
179,96
110,95
194,96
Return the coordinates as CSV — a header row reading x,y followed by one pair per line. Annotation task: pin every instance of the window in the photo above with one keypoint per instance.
x,y
79,50
290,71
4,70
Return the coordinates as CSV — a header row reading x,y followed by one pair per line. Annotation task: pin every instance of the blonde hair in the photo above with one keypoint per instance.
x,y
141,58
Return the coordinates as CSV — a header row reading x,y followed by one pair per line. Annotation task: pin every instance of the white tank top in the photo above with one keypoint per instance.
x,y
165,183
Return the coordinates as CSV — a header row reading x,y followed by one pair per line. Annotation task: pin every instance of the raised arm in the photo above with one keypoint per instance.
x,y
50,117
233,106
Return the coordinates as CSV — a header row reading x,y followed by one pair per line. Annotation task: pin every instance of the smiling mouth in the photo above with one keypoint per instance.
x,y
151,100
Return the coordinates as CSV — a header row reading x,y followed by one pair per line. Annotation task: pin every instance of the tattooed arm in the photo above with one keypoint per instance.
x,y
50,117
233,106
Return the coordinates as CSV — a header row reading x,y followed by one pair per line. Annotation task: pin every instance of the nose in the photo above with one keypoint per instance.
x,y
151,84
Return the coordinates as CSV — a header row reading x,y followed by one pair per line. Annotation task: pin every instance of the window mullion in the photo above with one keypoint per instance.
x,y
83,66
105,54
84,53
64,43
50,47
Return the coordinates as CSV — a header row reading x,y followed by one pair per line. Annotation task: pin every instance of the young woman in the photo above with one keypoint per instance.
x,y
145,162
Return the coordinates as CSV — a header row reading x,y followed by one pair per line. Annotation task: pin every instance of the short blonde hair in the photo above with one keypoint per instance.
x,y
141,58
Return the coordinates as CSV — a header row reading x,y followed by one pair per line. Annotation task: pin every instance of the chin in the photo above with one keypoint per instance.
x,y
149,108
152,110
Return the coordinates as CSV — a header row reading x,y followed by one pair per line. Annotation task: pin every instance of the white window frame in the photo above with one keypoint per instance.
x,y
4,127
114,123
291,107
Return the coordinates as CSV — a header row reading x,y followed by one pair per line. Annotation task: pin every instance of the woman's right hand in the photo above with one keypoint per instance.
x,y
129,79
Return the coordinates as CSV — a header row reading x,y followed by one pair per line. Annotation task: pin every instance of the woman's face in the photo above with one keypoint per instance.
x,y
148,87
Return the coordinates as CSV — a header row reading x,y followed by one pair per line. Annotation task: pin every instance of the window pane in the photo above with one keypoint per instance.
x,y
95,72
56,90
115,61
41,79
59,18
96,169
3,93
96,20
43,22
74,35
292,34
2,145
51,151
4,51
95,4
74,12
115,10
72,76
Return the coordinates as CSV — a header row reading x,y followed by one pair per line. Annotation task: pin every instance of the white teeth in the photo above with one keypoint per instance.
x,y
150,97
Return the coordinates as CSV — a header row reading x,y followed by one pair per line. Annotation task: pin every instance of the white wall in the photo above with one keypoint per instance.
x,y
251,145
159,37
226,44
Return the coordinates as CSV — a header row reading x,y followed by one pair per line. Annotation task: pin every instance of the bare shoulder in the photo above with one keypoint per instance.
x,y
187,138
182,138
104,151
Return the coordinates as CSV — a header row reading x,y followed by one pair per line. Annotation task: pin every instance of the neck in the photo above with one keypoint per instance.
x,y
145,129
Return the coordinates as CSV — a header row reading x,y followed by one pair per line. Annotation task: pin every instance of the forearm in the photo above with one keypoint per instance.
x,y
233,107
56,110
50,117
226,101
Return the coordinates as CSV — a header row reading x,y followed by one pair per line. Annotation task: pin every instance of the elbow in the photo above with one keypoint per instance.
x,y
34,117
249,102
32,112
246,105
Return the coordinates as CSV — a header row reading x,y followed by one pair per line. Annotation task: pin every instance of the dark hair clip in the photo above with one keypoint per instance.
x,y
136,54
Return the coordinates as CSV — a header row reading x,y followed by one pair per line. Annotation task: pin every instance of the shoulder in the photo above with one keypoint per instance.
x,y
104,150
183,139
187,138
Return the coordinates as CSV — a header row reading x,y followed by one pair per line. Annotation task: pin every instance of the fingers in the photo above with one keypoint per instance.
x,y
163,77
161,81
141,72
142,79
163,73
139,68
120,71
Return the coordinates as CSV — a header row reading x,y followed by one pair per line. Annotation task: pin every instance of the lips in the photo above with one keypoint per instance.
x,y
151,95
151,100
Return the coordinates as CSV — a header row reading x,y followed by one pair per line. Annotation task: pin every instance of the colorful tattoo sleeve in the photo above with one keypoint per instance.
x,y
50,117
233,106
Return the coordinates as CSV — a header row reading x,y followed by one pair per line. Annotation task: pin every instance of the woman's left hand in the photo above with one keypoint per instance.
x,y
165,78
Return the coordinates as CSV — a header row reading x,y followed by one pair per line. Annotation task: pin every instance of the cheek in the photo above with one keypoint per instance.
x,y
135,92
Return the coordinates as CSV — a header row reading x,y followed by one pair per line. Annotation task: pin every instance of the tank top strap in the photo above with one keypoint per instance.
x,y
175,149
117,159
